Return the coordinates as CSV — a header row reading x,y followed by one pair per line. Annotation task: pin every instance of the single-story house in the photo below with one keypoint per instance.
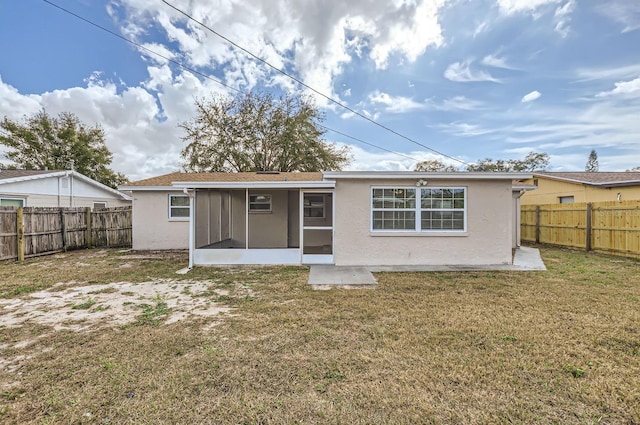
x,y
581,186
45,188
342,218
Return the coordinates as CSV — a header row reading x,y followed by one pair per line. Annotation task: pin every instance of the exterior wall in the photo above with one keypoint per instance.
x,y
293,226
32,200
488,239
269,229
549,191
57,191
152,228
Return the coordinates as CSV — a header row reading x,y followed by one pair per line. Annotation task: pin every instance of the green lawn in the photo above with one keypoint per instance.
x,y
561,346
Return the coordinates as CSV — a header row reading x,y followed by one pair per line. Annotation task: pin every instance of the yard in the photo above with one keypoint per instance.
x,y
110,337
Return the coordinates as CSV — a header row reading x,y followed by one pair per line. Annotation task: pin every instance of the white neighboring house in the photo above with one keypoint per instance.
x,y
45,188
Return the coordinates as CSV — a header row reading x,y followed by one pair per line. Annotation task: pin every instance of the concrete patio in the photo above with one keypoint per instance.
x,y
328,276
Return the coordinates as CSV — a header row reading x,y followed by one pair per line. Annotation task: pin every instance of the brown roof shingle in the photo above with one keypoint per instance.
x,y
12,174
600,178
167,179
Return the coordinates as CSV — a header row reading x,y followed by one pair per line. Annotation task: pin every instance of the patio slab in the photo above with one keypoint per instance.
x,y
322,276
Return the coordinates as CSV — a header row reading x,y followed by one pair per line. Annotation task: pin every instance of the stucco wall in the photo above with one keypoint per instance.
x,y
269,229
488,239
152,228
550,191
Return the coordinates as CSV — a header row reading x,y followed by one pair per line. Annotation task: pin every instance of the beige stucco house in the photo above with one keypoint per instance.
x,y
341,218
581,186
50,188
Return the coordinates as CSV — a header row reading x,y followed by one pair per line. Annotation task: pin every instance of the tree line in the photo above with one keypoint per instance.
x,y
255,131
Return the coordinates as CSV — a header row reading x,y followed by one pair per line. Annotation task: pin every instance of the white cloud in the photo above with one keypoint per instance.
x,y
523,6
562,17
530,97
496,62
461,72
365,160
623,88
624,12
394,104
482,27
315,40
590,74
456,103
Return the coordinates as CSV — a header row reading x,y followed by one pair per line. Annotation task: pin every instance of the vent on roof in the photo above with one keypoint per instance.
x,y
267,172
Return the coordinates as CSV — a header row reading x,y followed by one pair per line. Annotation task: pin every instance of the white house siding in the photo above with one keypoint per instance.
x,y
152,228
60,192
488,239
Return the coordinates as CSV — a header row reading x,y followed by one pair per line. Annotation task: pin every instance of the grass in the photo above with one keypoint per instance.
x,y
561,346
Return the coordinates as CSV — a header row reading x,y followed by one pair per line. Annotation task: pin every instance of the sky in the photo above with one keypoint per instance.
x,y
455,80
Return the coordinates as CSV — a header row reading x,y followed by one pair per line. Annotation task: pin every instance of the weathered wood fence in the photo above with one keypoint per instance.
x,y
32,231
608,227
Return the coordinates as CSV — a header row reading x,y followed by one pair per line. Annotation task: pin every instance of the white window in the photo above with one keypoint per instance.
x,y
566,199
99,205
438,209
260,203
314,206
12,202
178,206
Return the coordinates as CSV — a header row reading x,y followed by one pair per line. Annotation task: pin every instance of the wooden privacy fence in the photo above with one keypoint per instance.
x,y
29,232
609,227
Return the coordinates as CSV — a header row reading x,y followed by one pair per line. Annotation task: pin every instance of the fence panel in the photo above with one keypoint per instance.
x,y
111,227
609,227
8,233
50,230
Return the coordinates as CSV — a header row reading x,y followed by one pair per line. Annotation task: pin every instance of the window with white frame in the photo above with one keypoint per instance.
x,y
178,206
314,206
424,210
12,202
259,203
99,205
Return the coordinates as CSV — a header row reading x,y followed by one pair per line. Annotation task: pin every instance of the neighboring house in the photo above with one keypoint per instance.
x,y
44,188
342,218
570,187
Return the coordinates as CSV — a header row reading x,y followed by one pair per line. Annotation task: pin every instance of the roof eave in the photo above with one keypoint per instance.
x,y
395,175
256,185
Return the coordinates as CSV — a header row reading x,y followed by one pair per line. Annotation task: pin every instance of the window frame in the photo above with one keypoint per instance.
x,y
14,198
418,210
260,210
315,207
174,207
570,198
103,205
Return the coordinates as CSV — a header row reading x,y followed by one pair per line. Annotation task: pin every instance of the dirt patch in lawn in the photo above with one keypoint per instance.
x,y
82,308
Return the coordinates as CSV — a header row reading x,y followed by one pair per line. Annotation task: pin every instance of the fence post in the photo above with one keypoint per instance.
x,y
89,229
588,229
537,224
63,230
20,232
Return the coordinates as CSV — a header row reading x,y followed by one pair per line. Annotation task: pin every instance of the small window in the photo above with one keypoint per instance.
x,y
99,205
260,203
12,202
566,199
314,206
178,206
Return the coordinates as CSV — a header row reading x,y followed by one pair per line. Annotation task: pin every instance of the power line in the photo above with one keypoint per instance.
x,y
302,83
207,76
141,46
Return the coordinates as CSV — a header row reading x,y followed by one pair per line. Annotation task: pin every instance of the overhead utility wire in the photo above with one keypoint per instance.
x,y
302,83
205,75
141,46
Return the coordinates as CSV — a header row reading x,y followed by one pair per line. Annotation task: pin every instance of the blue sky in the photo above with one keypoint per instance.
x,y
468,78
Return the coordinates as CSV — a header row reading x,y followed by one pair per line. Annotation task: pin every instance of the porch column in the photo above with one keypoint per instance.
x,y
246,219
192,225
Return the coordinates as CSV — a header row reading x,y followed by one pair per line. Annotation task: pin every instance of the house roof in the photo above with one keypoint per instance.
x,y
14,176
167,180
600,178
